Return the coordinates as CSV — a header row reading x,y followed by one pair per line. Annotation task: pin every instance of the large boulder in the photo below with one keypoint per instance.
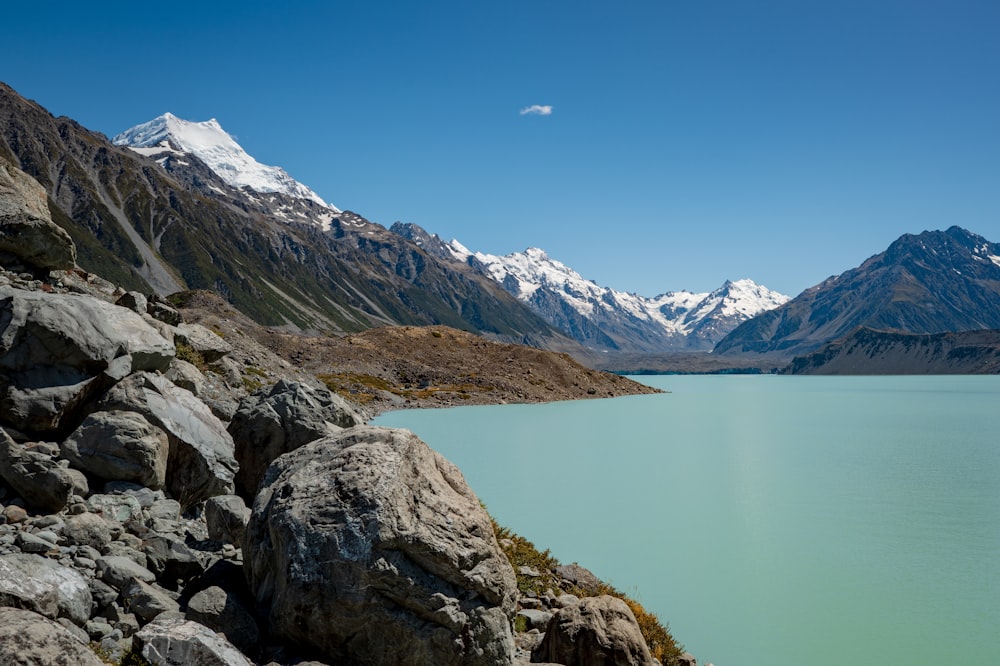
x,y
170,641
120,446
28,639
226,518
597,631
210,346
201,462
20,591
87,529
72,593
59,350
147,600
27,232
280,419
35,475
225,613
371,548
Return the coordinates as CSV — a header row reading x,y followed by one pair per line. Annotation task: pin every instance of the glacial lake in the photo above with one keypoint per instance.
x,y
771,520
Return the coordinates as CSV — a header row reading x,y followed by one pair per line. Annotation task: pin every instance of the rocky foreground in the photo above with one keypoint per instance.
x,y
165,499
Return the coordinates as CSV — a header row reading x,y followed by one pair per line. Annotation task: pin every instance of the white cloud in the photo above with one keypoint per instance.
x,y
537,110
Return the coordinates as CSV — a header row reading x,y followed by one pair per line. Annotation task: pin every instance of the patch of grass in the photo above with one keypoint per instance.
x,y
130,658
523,553
520,624
186,352
251,384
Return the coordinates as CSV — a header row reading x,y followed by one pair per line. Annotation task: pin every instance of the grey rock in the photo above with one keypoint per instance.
x,y
119,549
115,508
201,462
535,619
114,649
274,421
82,563
81,486
368,545
224,612
97,630
211,346
172,560
145,496
35,476
119,446
576,575
126,623
229,371
147,600
87,529
687,659
186,376
74,629
227,517
27,592
73,598
27,231
597,631
59,350
565,600
102,593
177,642
162,311
31,543
48,535
28,639
165,509
118,571
134,301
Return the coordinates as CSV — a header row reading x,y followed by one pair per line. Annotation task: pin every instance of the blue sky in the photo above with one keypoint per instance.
x,y
689,141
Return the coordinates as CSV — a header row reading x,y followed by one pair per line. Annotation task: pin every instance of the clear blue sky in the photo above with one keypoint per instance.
x,y
689,141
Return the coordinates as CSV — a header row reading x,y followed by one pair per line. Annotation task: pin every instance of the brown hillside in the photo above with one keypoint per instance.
x,y
413,366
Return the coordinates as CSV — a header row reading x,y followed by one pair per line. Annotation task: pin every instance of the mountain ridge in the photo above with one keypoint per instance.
x,y
168,134
164,227
867,351
932,282
605,319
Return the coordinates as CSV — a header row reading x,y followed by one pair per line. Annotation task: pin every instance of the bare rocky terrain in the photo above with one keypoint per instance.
x,y
406,366
869,352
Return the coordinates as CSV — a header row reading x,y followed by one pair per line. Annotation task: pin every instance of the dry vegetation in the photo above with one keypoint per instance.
x,y
411,366
523,553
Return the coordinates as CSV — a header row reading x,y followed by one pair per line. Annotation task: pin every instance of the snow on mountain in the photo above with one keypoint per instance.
x,y
606,318
216,148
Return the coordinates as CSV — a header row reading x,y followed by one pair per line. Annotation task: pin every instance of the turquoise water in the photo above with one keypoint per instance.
x,y
773,521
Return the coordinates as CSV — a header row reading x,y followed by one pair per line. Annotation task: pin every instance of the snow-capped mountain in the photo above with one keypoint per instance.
x,y
604,318
169,135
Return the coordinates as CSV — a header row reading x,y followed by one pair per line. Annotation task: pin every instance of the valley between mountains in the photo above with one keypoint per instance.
x,y
191,344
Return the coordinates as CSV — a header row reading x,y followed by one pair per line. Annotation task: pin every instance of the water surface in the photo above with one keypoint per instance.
x,y
771,520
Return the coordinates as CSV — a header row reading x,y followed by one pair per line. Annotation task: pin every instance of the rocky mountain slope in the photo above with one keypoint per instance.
x,y
604,319
933,282
396,367
154,510
165,221
866,351
170,137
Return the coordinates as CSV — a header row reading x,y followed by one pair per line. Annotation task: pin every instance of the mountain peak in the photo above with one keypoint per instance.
x,y
931,282
210,143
